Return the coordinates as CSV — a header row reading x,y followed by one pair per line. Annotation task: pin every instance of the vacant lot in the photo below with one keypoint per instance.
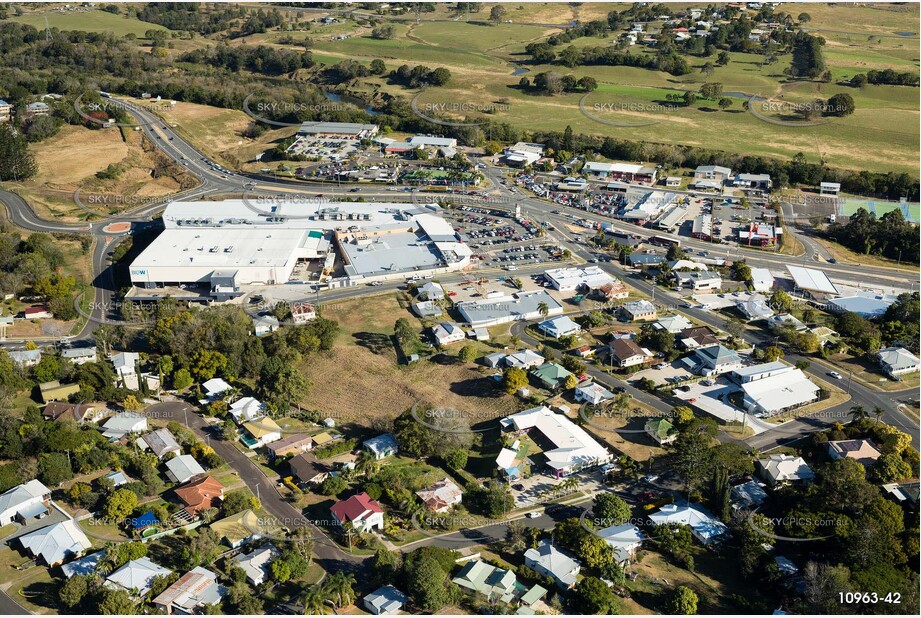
x,y
360,380
72,159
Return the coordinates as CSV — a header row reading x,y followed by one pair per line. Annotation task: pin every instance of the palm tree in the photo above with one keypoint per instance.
x,y
543,309
367,463
315,602
338,589
858,413
878,412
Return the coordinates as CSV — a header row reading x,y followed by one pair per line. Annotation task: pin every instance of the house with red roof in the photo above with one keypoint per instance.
x,y
361,511
200,493
39,312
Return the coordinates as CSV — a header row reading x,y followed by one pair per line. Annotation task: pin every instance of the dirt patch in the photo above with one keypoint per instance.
x,y
77,152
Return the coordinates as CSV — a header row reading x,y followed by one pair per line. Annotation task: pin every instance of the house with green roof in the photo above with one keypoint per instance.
x,y
661,431
550,375
491,581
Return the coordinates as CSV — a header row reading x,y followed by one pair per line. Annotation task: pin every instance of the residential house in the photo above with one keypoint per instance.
x,y
6,111
613,291
308,470
40,312
492,582
430,291
238,529
672,324
183,468
79,412
551,376
549,561
55,391
79,356
495,359
524,359
706,528
160,442
246,409
712,360
780,392
696,337
256,563
785,320
24,502
25,358
446,333
624,539
897,362
191,593
264,324
87,565
861,451
361,511
384,600
427,309
440,497
754,307
382,446
639,310
118,478
136,576
661,430
747,495
779,469
39,108
123,424
592,393
568,448
125,363
214,389
625,353
303,313
557,327
56,543
291,445
261,431
201,493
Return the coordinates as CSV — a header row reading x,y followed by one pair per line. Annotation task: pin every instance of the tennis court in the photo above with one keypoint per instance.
x,y
910,210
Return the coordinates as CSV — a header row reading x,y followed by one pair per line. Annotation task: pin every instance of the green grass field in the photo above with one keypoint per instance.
x,y
481,62
851,205
88,21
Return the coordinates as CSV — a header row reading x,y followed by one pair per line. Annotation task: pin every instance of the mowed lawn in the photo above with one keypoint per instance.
x,y
88,21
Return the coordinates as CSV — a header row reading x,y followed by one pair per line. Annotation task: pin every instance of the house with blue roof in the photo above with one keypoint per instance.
x,y
382,446
712,360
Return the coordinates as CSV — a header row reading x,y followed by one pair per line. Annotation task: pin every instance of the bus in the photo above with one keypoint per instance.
x,y
664,241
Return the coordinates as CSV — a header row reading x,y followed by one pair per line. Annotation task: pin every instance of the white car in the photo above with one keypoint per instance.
x,y
534,514
836,375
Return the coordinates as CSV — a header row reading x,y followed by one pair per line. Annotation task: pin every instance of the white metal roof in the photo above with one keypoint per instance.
x,y
574,446
812,280
57,542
